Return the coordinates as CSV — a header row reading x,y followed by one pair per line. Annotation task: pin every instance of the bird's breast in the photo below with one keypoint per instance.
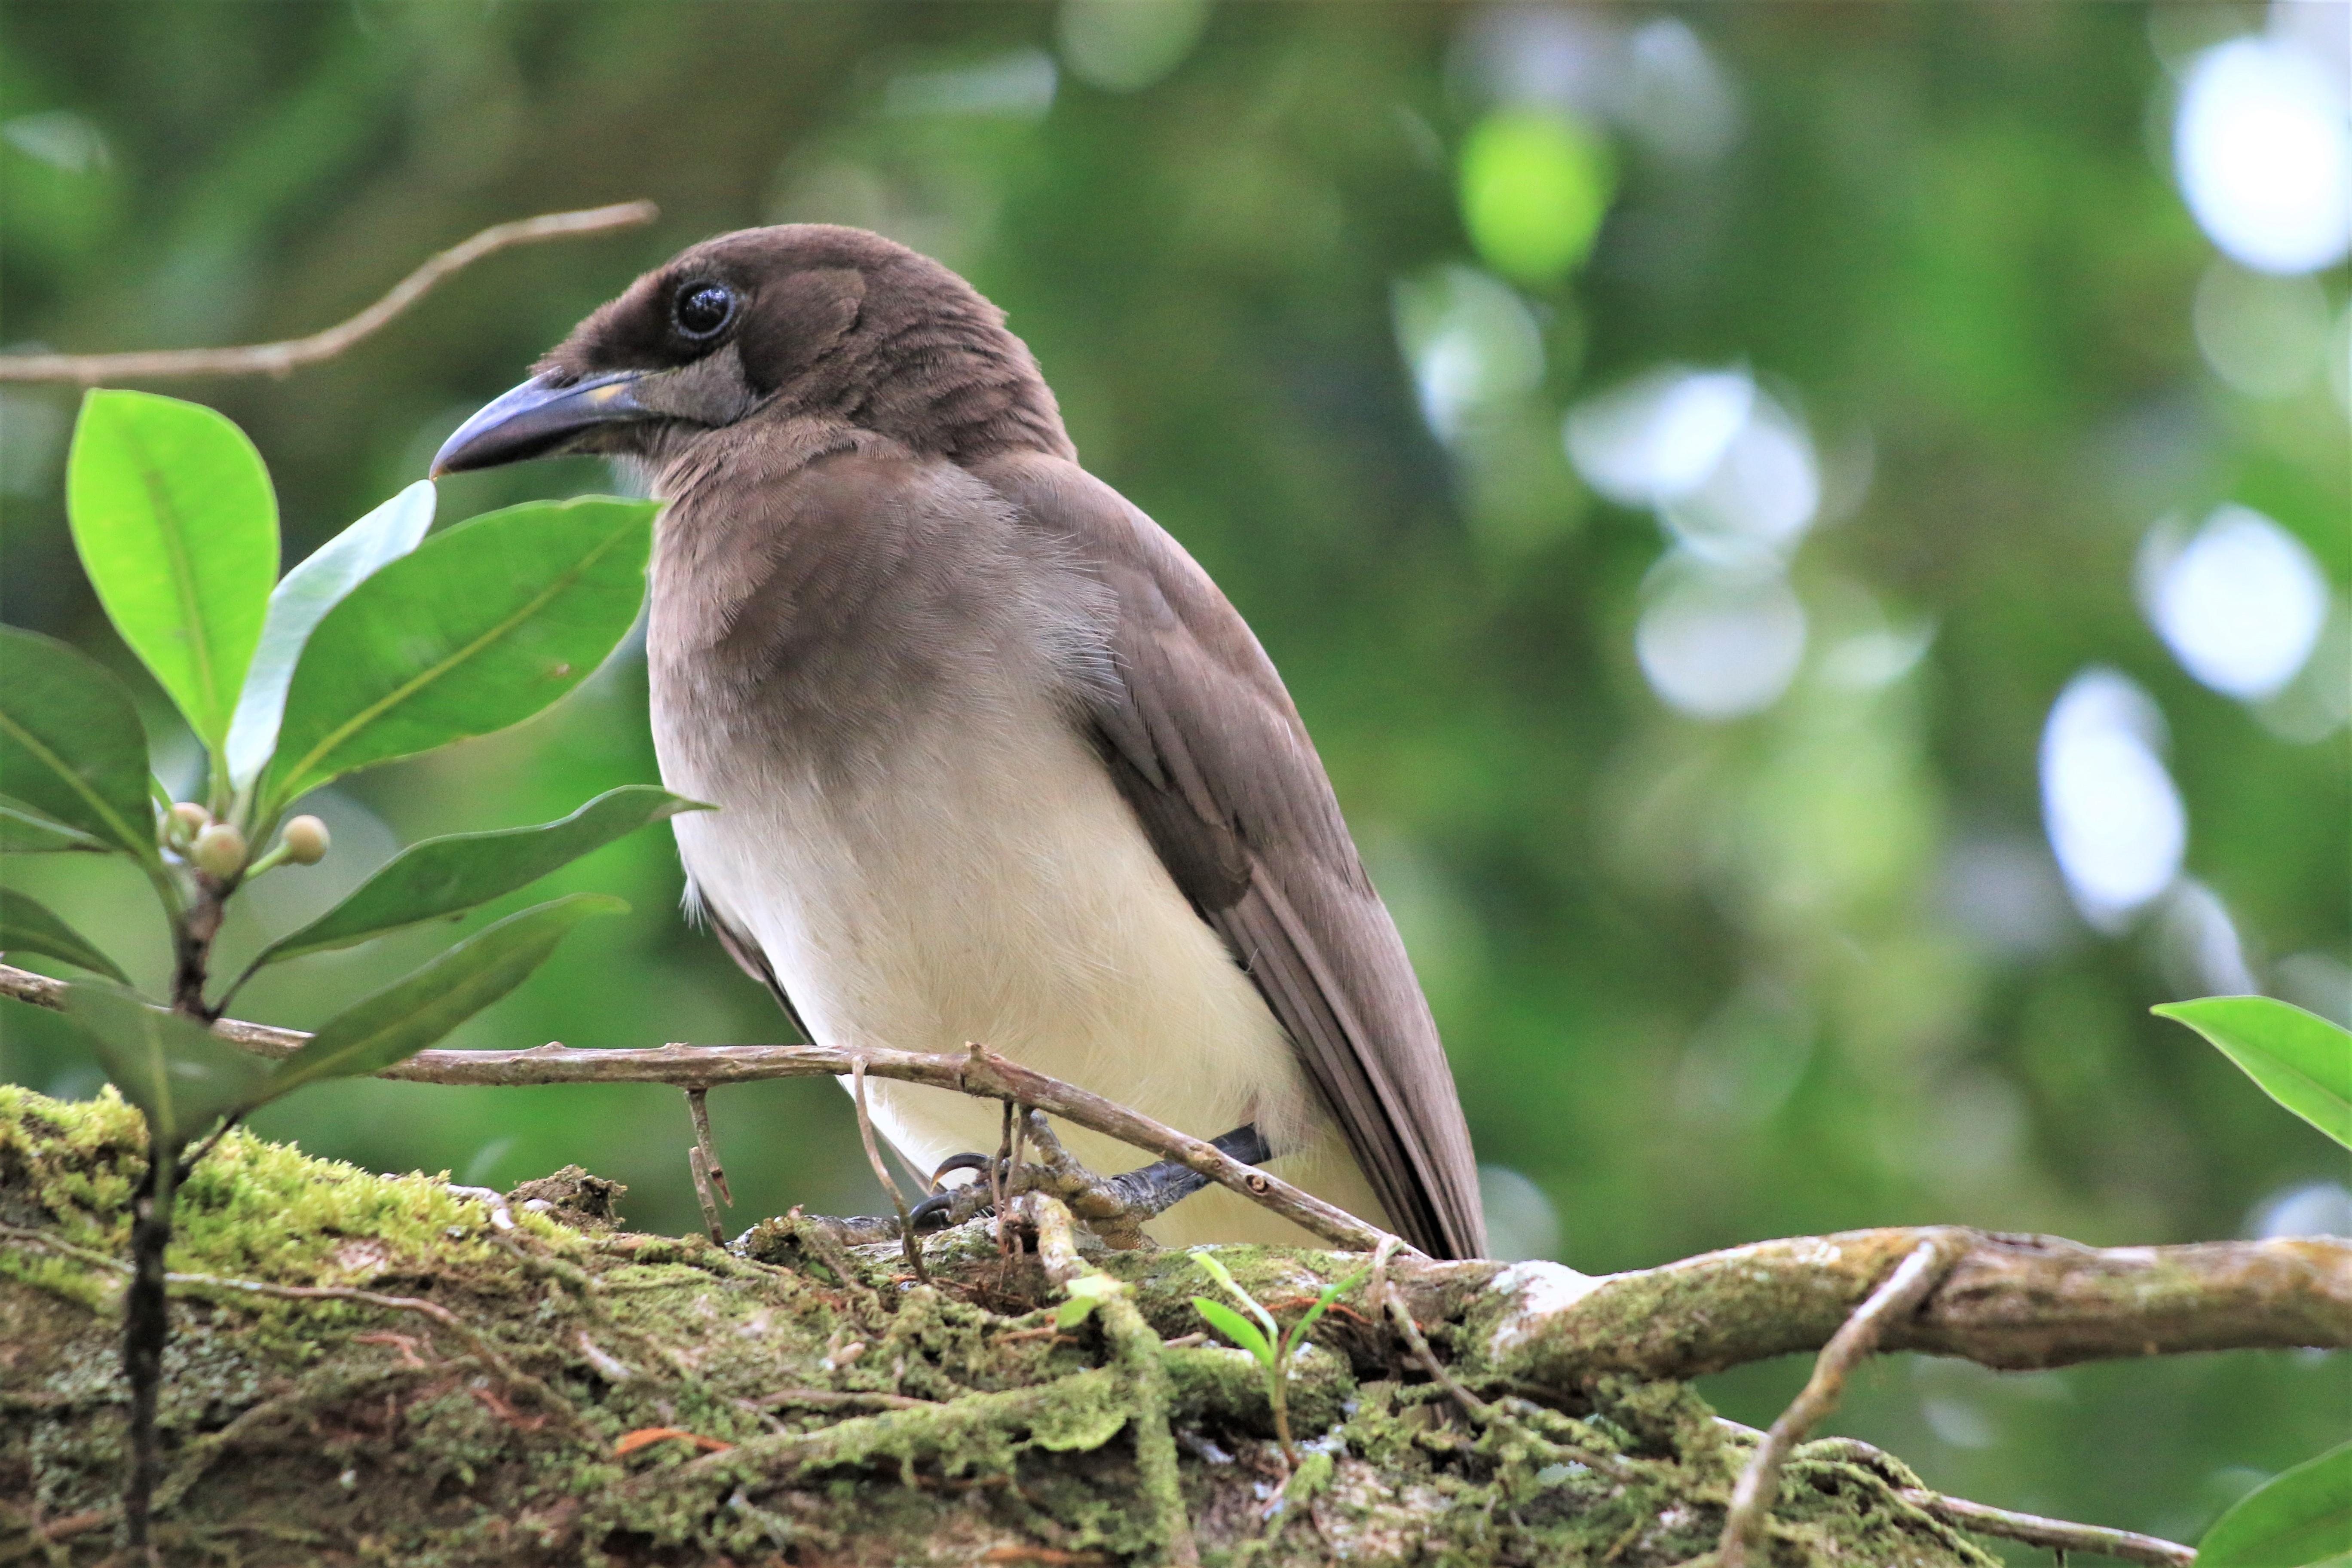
x,y
979,878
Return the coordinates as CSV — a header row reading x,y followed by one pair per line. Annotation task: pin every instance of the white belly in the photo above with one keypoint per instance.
x,y
991,885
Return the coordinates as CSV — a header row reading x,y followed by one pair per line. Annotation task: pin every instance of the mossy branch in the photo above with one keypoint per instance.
x,y
1006,1425
977,1072
2013,1302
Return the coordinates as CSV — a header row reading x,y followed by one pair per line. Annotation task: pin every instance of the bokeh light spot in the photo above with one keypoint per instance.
x,y
1124,46
1535,186
1659,437
2114,817
2264,334
1718,641
2241,604
2264,150
1471,340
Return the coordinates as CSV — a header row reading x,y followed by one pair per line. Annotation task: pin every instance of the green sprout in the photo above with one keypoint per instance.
x,y
1271,1348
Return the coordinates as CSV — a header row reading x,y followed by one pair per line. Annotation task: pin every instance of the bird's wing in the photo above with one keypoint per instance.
x,y
1208,749
751,960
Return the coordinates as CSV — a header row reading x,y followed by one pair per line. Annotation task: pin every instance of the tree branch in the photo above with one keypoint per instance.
x,y
278,358
1760,1483
2010,1301
2013,1302
981,1073
2063,1535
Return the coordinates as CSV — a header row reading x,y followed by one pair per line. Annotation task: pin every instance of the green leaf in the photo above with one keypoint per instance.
x,y
2299,1059
177,524
26,927
481,627
298,603
1236,1328
1086,1292
404,1018
2299,1518
449,876
180,1075
26,833
26,1029
1216,1271
71,746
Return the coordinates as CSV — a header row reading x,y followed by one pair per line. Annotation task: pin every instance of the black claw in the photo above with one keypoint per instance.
x,y
931,1213
984,1163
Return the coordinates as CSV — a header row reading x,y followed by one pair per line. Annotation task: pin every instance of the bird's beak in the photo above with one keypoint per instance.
x,y
539,418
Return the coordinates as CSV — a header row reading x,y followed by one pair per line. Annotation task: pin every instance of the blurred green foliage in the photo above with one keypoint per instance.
x,y
1704,981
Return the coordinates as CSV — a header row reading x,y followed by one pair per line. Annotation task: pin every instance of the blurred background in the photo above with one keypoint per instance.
x,y
1812,540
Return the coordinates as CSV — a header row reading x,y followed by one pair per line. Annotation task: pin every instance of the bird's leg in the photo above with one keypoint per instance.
x,y
1153,1189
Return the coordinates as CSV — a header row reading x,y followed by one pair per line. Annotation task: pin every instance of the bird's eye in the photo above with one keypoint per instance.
x,y
703,308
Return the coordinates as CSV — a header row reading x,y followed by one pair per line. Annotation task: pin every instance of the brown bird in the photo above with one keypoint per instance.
x,y
995,760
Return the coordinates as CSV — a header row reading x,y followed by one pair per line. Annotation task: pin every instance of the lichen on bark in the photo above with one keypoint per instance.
x,y
832,1409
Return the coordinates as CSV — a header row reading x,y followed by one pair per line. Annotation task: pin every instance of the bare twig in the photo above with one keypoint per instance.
x,y
278,358
1384,1298
981,1073
2059,1534
1000,1179
882,1173
1058,1236
700,1165
697,1108
1760,1483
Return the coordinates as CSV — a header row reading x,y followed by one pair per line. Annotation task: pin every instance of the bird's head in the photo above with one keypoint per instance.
x,y
800,320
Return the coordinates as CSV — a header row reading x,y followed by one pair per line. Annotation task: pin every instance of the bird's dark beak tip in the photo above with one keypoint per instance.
x,y
536,419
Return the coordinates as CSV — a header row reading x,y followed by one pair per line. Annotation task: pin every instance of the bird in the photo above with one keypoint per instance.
x,y
994,760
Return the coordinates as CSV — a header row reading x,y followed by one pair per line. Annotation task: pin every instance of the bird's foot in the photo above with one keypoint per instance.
x,y
1114,1207
948,1208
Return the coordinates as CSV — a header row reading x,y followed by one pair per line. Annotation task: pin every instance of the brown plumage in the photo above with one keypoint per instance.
x,y
995,759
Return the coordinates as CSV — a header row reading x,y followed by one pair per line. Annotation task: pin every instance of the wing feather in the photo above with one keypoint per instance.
x,y
1209,751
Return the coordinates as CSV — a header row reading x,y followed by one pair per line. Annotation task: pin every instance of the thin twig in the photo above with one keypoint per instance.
x,y
1760,1483
882,1172
697,1107
700,1165
1385,1297
981,1073
2059,1535
278,358
1000,1180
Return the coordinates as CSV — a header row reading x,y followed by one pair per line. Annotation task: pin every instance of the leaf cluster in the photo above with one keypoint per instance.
x,y
384,643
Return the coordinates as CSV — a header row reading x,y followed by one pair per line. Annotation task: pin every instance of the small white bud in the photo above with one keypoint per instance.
x,y
184,822
305,840
219,850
